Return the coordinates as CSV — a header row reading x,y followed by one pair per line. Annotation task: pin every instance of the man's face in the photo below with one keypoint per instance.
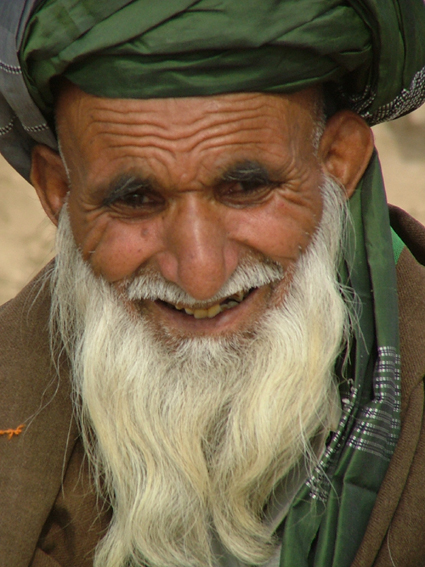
x,y
191,188
195,196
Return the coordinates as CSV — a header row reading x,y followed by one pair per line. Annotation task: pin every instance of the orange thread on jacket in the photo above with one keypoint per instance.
x,y
11,432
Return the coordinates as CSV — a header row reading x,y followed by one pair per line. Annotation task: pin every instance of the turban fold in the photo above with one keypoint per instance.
x,y
143,49
372,50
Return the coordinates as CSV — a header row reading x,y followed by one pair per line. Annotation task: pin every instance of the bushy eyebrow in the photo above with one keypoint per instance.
x,y
126,185
247,171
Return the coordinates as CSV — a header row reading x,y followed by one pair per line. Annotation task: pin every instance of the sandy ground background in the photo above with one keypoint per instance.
x,y
27,236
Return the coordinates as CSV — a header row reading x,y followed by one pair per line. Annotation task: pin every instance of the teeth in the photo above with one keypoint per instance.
x,y
200,313
239,296
214,310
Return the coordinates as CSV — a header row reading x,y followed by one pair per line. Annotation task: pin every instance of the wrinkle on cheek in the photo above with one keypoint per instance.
x,y
303,207
121,249
89,246
279,230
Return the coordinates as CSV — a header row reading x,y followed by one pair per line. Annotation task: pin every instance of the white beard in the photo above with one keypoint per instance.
x,y
190,438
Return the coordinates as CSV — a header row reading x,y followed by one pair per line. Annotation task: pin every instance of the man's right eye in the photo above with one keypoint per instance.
x,y
138,201
135,200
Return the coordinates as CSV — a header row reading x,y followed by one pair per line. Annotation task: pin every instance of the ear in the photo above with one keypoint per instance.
x,y
345,148
49,177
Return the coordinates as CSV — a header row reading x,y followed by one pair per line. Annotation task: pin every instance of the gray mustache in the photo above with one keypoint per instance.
x,y
249,274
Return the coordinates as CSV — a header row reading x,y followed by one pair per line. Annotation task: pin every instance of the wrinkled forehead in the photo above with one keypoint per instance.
x,y
92,123
73,105
185,141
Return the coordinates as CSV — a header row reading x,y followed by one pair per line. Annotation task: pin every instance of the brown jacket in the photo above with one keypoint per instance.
x,y
48,514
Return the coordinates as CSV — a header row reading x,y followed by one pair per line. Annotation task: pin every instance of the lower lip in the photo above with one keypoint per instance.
x,y
230,320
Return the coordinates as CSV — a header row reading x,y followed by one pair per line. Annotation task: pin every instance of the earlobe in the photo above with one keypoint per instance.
x,y
346,148
50,180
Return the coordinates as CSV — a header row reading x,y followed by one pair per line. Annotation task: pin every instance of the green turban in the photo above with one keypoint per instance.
x,y
373,50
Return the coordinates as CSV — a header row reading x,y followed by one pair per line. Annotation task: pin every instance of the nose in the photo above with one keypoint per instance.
x,y
198,253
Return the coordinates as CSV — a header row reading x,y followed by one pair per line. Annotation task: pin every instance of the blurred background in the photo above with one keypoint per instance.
x,y
26,235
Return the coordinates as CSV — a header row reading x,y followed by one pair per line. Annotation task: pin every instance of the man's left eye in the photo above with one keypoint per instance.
x,y
246,192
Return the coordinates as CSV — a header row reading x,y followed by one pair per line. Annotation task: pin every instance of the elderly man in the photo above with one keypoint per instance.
x,y
208,374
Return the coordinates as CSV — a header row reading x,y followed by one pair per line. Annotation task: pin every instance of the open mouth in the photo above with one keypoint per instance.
x,y
212,310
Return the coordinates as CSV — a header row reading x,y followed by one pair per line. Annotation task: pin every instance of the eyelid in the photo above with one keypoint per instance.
x,y
126,186
241,197
126,194
126,205
252,185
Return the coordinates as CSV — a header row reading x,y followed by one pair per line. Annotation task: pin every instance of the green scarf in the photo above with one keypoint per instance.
x,y
372,49
328,518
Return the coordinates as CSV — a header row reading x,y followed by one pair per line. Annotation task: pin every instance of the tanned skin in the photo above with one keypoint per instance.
x,y
189,187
